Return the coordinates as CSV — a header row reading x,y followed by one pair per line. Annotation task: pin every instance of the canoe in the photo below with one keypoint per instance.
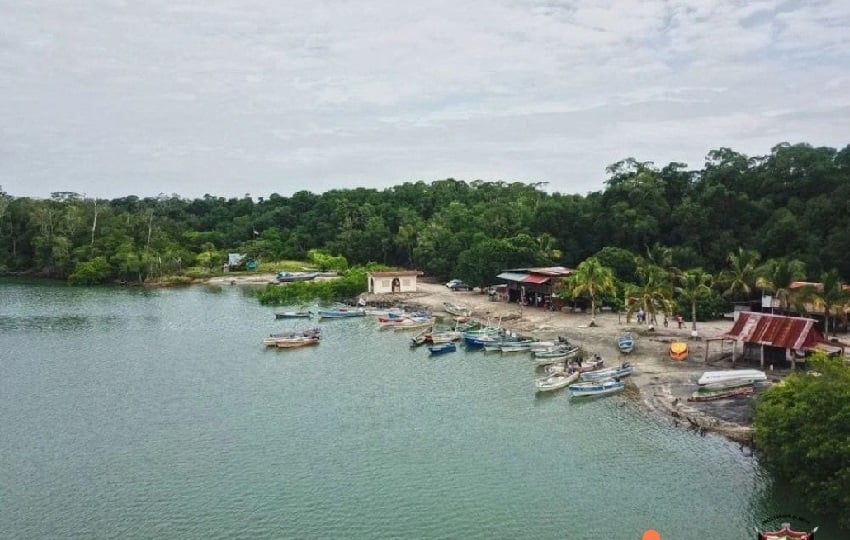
x,y
442,348
608,373
721,394
292,343
731,375
293,314
341,313
596,388
555,381
626,343
678,351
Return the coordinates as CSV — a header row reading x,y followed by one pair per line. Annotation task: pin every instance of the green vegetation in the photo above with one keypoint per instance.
x,y
348,285
803,434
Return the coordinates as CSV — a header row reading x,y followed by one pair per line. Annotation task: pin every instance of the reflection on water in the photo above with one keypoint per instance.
x,y
59,323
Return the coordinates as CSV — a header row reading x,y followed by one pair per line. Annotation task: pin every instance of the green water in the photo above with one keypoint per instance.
x,y
130,413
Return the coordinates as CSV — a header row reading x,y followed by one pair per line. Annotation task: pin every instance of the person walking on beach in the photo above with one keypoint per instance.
x,y
679,320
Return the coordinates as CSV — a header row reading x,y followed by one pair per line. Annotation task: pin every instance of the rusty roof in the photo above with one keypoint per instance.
x,y
775,330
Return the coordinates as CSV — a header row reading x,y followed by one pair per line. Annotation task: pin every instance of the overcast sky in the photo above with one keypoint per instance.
x,y
113,97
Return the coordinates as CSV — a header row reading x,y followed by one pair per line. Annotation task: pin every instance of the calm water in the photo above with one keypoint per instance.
x,y
131,413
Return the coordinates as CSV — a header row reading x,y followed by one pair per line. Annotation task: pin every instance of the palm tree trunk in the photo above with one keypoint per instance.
x,y
694,315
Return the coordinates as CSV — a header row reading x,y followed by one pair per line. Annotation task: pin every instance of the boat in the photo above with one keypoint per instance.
x,y
412,323
294,342
721,394
786,533
731,385
341,313
293,314
608,373
558,351
289,277
678,350
731,375
272,340
456,310
586,366
596,388
444,336
442,348
555,381
626,343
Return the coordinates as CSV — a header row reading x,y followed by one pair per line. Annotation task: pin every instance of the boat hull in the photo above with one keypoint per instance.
x,y
589,389
731,375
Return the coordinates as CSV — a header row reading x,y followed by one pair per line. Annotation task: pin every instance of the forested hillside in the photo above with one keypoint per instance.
x,y
793,203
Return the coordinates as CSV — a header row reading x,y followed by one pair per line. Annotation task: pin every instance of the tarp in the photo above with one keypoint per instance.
x,y
512,276
536,280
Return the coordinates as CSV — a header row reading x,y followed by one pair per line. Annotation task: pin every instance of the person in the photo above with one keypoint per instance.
x,y
640,316
665,320
679,320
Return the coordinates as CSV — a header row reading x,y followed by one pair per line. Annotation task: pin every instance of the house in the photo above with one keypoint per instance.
x,y
392,282
533,286
774,338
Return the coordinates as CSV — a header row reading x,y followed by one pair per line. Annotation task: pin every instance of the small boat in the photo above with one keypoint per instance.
x,y
293,314
412,323
678,351
341,313
272,340
609,373
596,388
442,348
731,375
555,381
786,533
456,310
445,336
626,343
586,366
294,342
721,394
559,351
289,277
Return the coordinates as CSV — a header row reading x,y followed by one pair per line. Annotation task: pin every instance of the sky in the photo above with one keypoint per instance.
x,y
112,98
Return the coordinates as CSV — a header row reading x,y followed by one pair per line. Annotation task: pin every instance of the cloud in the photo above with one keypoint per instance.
x,y
230,97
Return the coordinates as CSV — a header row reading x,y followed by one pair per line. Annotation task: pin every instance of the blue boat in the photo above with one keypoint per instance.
x,y
341,313
598,388
626,343
608,373
442,348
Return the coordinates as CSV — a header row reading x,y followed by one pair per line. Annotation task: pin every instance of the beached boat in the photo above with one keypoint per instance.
x,y
341,313
608,373
412,323
293,314
626,343
731,385
288,277
679,351
786,533
558,351
456,310
596,388
721,394
442,348
295,342
555,381
731,375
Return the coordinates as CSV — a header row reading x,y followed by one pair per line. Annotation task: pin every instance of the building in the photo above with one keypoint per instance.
x,y
392,282
533,286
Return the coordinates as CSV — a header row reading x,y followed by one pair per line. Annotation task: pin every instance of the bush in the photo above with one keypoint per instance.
x,y
348,285
91,272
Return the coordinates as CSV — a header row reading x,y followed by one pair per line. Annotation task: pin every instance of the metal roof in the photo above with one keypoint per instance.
x,y
537,280
775,330
552,271
512,276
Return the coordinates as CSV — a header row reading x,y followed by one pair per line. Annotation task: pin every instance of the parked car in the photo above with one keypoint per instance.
x,y
458,285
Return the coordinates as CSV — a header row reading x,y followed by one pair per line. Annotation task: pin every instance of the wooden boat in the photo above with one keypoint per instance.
x,y
442,348
731,375
721,394
596,388
678,351
294,342
272,340
609,373
558,352
626,343
456,310
445,336
413,323
341,313
293,314
786,533
555,381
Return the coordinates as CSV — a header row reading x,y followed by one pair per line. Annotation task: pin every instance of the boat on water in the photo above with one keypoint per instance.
x,y
626,343
558,351
295,342
786,533
608,373
678,351
596,388
413,323
731,375
273,339
555,381
341,313
293,314
442,348
289,277
721,394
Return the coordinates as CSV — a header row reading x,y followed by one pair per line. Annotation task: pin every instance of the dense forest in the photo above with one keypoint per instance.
x,y
793,203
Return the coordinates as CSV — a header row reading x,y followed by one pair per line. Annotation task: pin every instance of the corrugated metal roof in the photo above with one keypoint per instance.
x,y
537,280
775,330
553,271
512,276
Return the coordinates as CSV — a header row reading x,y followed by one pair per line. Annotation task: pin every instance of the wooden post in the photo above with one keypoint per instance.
x,y
793,360
734,350
761,354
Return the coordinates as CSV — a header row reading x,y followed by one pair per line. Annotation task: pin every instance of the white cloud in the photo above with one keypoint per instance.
x,y
231,97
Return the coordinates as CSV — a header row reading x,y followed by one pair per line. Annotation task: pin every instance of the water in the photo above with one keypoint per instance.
x,y
130,413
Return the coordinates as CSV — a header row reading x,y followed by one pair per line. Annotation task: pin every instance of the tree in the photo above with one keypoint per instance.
x,y
740,278
829,294
653,294
776,277
591,279
694,285
802,432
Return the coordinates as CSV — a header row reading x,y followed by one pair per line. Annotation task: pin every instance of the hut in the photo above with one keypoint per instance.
x,y
392,282
533,286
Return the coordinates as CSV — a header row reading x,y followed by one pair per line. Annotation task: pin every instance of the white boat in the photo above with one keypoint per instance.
x,y
608,373
597,388
555,381
728,375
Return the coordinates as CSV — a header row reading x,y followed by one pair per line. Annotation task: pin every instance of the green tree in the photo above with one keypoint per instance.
x,y
591,280
694,285
776,276
740,278
829,294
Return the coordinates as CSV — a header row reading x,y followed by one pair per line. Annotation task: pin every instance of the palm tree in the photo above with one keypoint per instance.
x,y
654,295
776,277
830,294
740,279
694,285
591,279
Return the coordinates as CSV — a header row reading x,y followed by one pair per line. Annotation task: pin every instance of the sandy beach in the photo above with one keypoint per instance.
x,y
658,384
